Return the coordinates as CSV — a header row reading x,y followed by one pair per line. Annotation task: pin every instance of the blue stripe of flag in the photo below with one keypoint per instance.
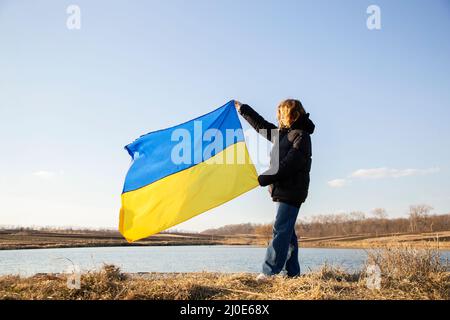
x,y
152,152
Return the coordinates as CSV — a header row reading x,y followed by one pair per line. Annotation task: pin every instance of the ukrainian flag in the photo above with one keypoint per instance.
x,y
183,171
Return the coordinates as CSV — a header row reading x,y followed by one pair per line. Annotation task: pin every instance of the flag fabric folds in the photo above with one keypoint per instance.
x,y
183,171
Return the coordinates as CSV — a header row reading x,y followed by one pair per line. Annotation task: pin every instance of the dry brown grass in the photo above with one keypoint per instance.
x,y
412,271
406,274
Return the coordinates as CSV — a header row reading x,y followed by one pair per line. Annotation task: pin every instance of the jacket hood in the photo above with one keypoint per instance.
x,y
304,123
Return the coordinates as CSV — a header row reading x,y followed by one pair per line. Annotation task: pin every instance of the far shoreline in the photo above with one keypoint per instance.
x,y
60,239
426,245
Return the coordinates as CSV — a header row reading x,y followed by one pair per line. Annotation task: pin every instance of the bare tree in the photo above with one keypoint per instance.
x,y
418,215
380,223
357,215
379,213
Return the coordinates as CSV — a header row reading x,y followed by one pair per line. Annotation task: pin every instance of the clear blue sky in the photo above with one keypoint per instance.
x,y
71,99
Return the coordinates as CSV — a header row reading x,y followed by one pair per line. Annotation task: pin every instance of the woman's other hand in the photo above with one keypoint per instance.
x,y
237,105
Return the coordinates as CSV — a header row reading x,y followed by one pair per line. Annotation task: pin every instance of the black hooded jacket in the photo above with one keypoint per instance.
x,y
290,158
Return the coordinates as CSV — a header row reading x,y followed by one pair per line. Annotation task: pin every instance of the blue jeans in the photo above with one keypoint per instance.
x,y
283,249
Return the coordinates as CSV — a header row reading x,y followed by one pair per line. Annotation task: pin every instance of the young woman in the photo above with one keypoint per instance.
x,y
287,178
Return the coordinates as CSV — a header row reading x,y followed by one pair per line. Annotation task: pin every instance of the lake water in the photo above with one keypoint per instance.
x,y
169,259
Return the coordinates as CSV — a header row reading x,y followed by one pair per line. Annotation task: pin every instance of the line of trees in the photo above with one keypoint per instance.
x,y
377,223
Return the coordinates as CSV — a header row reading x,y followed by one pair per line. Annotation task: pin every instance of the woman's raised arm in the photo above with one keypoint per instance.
x,y
261,125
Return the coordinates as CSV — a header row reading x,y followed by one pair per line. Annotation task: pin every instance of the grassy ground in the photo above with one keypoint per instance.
x,y
35,239
405,274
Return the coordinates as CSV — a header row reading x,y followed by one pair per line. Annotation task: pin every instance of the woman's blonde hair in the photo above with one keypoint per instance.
x,y
288,112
